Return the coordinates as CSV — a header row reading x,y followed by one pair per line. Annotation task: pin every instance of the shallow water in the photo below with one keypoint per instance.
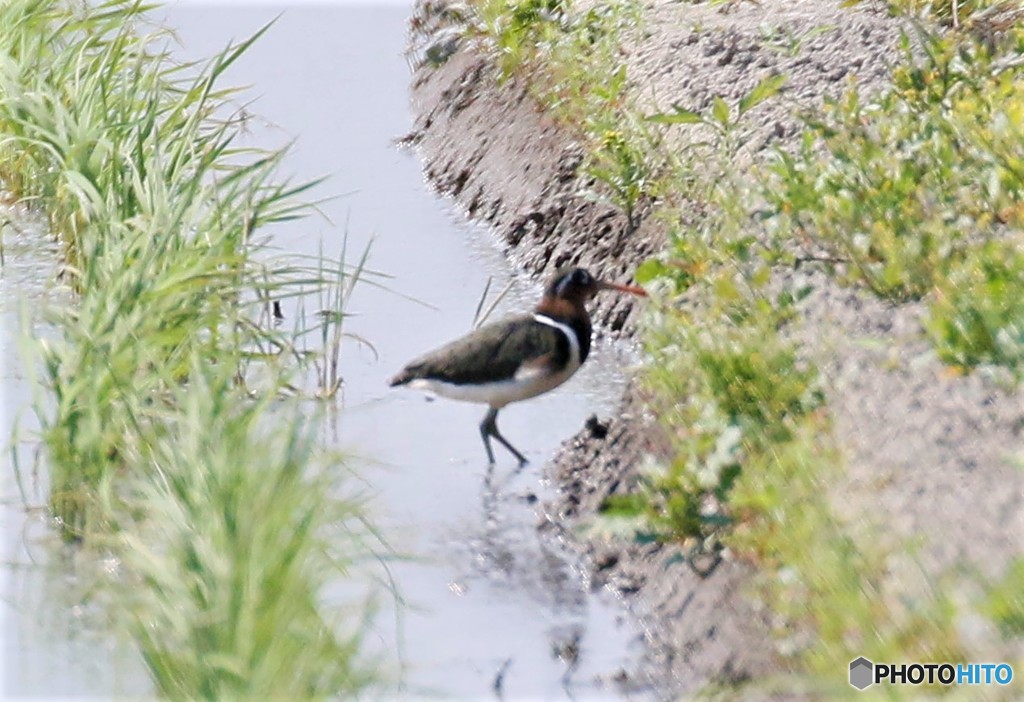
x,y
54,644
483,592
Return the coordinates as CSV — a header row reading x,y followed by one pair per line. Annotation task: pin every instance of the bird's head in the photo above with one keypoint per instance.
x,y
575,287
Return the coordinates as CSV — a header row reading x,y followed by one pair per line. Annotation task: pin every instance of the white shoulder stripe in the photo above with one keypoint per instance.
x,y
570,333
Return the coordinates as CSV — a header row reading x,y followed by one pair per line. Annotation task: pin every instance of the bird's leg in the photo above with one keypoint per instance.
x,y
489,428
485,432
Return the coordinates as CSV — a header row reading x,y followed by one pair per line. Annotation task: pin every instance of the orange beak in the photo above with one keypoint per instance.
x,y
631,289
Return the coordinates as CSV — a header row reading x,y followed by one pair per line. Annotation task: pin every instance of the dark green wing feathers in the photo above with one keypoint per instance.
x,y
492,353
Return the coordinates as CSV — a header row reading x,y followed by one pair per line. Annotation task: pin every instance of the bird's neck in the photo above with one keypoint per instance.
x,y
572,314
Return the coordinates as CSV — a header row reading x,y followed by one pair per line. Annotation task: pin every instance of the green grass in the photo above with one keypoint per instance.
x,y
559,48
977,315
166,442
951,13
919,193
232,610
1004,601
830,581
728,391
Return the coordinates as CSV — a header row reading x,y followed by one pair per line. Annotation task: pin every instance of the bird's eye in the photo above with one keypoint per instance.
x,y
580,277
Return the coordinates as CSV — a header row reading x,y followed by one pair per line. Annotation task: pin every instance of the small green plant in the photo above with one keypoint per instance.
x,y
1004,601
621,166
725,122
977,316
727,390
789,43
897,198
955,13
558,47
571,60
716,189
520,27
335,285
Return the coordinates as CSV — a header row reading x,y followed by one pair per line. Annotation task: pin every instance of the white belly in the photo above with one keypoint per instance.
x,y
496,394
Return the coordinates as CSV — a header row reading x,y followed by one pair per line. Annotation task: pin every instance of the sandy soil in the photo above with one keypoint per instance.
x,y
929,455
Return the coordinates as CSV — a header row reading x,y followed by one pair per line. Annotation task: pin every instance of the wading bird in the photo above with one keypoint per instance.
x,y
516,358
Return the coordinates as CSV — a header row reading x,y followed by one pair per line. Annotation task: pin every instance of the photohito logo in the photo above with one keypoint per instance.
x,y
864,673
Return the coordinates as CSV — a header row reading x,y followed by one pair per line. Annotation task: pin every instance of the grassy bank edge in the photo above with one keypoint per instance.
x,y
753,441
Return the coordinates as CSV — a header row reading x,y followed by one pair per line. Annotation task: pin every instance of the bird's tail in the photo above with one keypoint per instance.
x,y
401,378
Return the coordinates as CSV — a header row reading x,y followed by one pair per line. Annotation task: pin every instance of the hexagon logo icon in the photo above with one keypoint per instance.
x,y
861,673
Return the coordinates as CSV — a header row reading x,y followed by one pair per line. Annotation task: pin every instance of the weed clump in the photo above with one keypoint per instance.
x,y
561,49
920,191
243,529
977,317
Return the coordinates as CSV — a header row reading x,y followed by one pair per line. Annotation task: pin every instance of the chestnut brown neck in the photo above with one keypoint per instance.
x,y
560,308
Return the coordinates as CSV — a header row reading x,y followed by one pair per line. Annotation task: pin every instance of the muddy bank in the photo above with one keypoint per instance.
x,y
507,164
923,450
491,149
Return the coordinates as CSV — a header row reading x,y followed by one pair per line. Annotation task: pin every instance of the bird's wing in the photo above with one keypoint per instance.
x,y
535,367
494,352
